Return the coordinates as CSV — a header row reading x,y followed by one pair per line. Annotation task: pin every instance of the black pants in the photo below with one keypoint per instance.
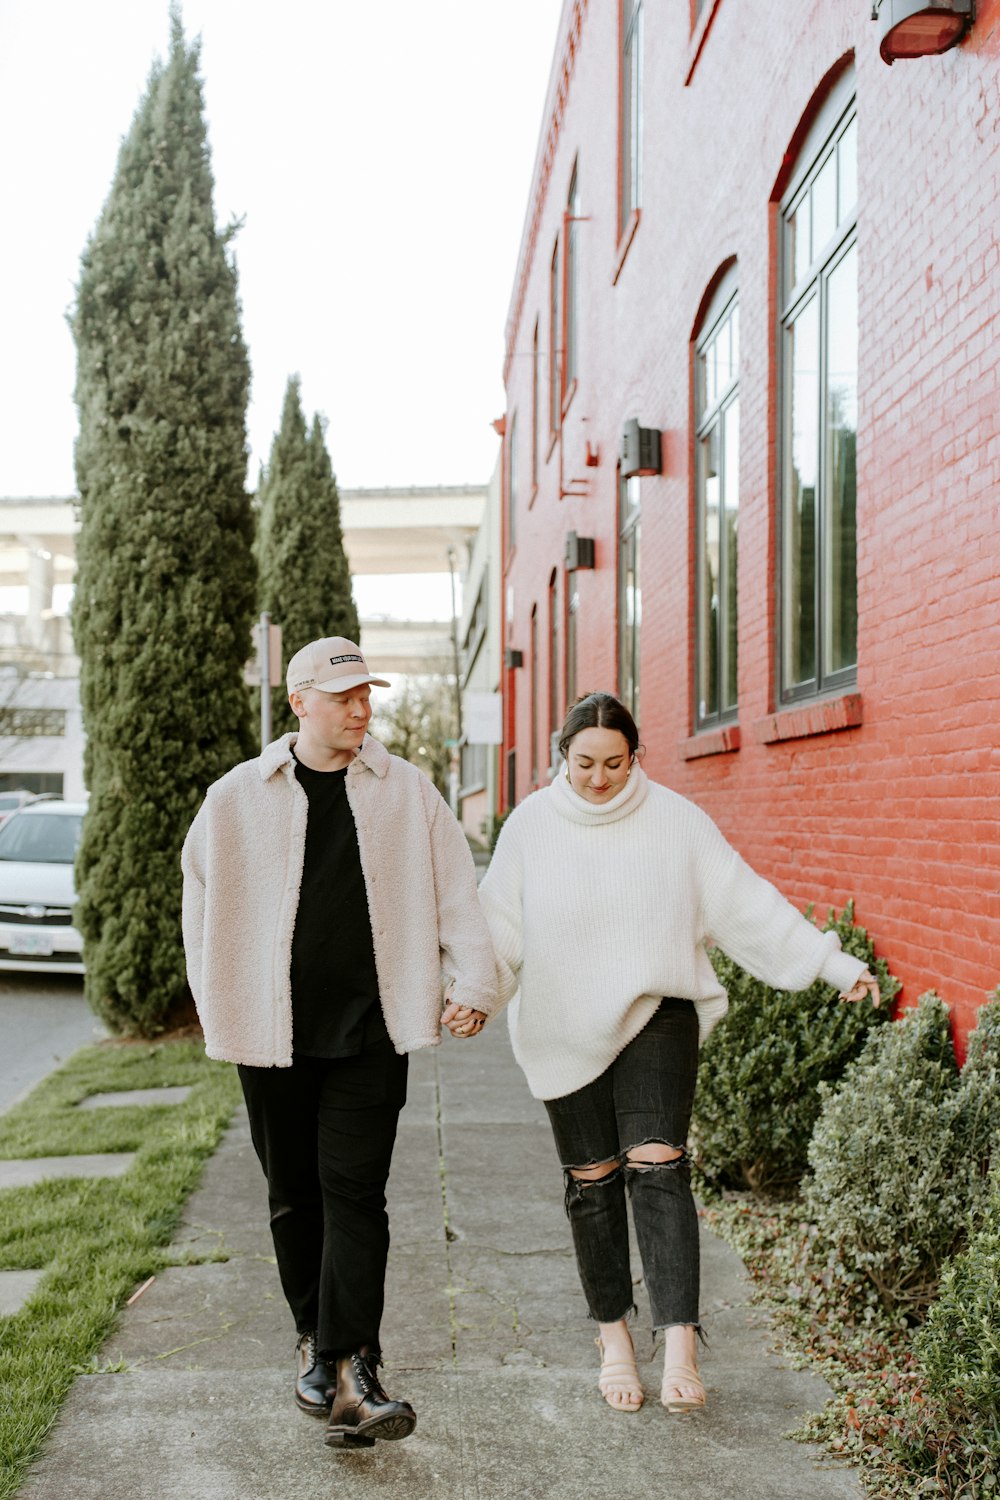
x,y
646,1095
324,1130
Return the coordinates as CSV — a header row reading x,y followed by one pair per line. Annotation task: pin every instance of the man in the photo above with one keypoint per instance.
x,y
329,898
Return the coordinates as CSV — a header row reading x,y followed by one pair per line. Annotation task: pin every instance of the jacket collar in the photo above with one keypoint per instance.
x,y
373,756
277,756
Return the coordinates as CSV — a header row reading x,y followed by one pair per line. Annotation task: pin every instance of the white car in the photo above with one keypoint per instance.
x,y
11,802
37,849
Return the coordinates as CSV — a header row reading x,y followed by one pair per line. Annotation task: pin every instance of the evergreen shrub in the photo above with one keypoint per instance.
x,y
305,580
901,1152
164,596
980,1102
761,1068
959,1345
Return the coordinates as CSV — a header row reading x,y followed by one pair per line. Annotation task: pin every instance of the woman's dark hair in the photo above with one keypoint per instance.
x,y
598,711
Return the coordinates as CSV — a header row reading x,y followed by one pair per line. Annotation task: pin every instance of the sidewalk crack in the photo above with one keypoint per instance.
x,y
449,1233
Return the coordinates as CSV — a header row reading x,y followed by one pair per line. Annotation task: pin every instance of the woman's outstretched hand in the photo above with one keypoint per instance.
x,y
462,1020
866,984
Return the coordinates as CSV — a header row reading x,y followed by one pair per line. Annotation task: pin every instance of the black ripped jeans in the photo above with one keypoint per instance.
x,y
645,1096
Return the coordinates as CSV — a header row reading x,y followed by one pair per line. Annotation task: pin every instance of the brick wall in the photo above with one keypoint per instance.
x,y
899,811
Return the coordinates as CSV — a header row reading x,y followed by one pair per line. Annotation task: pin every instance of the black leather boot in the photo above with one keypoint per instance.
x,y
314,1379
361,1409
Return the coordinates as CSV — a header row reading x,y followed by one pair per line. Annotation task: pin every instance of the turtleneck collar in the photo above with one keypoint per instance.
x,y
595,814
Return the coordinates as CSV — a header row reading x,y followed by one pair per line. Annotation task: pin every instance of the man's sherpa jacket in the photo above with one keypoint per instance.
x,y
242,863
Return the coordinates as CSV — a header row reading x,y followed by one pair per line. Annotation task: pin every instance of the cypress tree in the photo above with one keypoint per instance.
x,y
305,581
164,594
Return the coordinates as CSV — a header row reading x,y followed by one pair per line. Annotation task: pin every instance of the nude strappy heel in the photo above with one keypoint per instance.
x,y
675,1376
619,1377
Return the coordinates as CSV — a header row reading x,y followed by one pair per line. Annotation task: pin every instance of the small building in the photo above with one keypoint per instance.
x,y
752,448
41,734
479,642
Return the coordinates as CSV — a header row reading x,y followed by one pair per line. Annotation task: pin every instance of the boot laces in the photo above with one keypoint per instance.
x,y
366,1369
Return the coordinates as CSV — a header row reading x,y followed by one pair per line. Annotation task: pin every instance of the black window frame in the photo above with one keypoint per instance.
x,y
630,118
570,362
837,116
710,415
555,353
629,558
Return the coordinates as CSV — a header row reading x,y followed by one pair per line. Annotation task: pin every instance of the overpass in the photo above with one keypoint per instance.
x,y
410,532
391,531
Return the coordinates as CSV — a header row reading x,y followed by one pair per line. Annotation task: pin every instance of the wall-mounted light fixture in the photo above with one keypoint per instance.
x,y
579,551
640,452
920,28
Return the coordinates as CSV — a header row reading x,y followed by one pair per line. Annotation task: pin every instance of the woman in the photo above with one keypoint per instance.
x,y
600,897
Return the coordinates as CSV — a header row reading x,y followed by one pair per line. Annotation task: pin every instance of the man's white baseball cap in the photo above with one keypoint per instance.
x,y
333,665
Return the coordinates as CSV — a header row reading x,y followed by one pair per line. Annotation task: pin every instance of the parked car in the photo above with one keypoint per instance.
x,y
11,802
37,848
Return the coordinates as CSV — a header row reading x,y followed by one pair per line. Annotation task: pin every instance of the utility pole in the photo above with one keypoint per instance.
x,y
265,679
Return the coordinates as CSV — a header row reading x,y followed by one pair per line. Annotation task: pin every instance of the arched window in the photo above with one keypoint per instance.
x,y
630,128
533,728
819,404
555,353
571,238
555,696
717,471
572,624
535,413
512,481
629,593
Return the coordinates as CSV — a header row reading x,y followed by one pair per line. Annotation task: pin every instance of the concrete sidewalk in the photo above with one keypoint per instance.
x,y
485,1332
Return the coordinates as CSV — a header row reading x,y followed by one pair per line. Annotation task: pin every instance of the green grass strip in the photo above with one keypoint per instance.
x,y
96,1239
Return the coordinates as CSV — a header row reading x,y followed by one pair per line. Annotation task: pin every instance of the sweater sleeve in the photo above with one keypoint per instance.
x,y
466,954
193,901
500,894
753,923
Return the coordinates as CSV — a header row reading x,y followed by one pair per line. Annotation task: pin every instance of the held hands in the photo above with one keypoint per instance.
x,y
866,984
461,1020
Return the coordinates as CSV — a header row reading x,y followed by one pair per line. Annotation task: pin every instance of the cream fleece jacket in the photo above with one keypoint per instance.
x,y
242,863
597,910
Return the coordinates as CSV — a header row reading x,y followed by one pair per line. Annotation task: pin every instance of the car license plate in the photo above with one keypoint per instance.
x,y
32,944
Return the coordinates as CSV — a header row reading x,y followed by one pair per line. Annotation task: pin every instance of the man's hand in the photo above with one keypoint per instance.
x,y
462,1020
866,984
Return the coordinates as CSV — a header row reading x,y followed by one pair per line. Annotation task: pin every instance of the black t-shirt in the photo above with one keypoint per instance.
x,y
335,1003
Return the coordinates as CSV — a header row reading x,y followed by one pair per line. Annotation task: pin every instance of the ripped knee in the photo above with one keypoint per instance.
x,y
595,1171
583,1182
652,1154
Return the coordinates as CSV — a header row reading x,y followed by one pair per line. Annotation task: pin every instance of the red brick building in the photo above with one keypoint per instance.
x,y
778,259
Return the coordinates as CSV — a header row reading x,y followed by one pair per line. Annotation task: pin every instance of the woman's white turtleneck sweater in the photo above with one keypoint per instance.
x,y
597,910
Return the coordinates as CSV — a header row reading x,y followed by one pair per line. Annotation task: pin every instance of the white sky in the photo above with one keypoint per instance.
x,y
381,154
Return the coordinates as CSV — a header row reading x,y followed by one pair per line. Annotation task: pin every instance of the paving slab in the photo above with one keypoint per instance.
x,y
121,1098
33,1169
15,1289
516,1434
485,1331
